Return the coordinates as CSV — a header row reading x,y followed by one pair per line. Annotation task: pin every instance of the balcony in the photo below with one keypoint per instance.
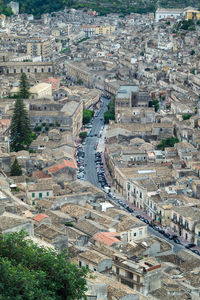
x,y
128,268
134,195
175,221
130,280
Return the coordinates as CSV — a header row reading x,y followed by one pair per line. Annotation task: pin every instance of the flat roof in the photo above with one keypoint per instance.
x,y
146,171
125,91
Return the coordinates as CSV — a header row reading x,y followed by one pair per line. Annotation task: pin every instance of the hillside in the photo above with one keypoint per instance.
x,y
38,7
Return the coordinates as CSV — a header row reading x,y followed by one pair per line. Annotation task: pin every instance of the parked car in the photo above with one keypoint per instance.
x,y
166,234
151,225
156,227
130,209
138,216
195,251
161,231
188,246
176,240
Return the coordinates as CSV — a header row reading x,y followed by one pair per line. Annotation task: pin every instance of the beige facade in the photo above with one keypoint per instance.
x,y
104,30
134,234
164,214
77,118
38,47
41,90
40,190
183,222
197,235
142,276
79,72
38,69
66,118
128,97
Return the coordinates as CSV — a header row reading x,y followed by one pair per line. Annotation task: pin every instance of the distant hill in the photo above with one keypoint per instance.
x,y
38,7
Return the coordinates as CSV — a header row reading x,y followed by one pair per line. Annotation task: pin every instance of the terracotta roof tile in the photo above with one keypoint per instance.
x,y
40,217
107,238
40,174
5,122
64,164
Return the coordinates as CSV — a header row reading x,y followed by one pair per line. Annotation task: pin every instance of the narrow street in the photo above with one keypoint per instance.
x,y
98,123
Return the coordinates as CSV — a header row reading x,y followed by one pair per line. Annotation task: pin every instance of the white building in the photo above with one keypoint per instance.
x,y
14,6
162,13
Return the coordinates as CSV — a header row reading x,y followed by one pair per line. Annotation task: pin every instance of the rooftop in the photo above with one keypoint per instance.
x,y
125,91
107,238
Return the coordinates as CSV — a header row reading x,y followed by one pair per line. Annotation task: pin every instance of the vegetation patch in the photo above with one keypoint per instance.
x,y
169,142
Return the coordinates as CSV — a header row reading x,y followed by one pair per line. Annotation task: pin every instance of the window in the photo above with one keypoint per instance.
x,y
128,186
42,70
28,70
180,220
174,217
140,233
40,195
14,70
140,195
94,269
134,234
47,193
186,225
49,70
199,233
33,195
80,264
35,70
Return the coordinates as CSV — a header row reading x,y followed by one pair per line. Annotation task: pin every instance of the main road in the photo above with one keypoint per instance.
x,y
90,167
98,123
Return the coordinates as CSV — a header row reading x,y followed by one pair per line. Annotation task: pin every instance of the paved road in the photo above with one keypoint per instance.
x,y
90,169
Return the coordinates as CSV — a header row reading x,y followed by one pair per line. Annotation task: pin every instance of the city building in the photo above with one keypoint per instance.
x,y
38,47
165,13
142,275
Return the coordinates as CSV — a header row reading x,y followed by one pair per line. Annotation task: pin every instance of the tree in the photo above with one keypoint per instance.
x,y
110,114
28,271
21,135
83,135
155,104
186,116
24,87
16,169
169,142
87,115
80,81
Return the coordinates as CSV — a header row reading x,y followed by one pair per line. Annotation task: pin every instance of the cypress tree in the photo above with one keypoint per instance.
x,y
21,135
24,87
16,169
